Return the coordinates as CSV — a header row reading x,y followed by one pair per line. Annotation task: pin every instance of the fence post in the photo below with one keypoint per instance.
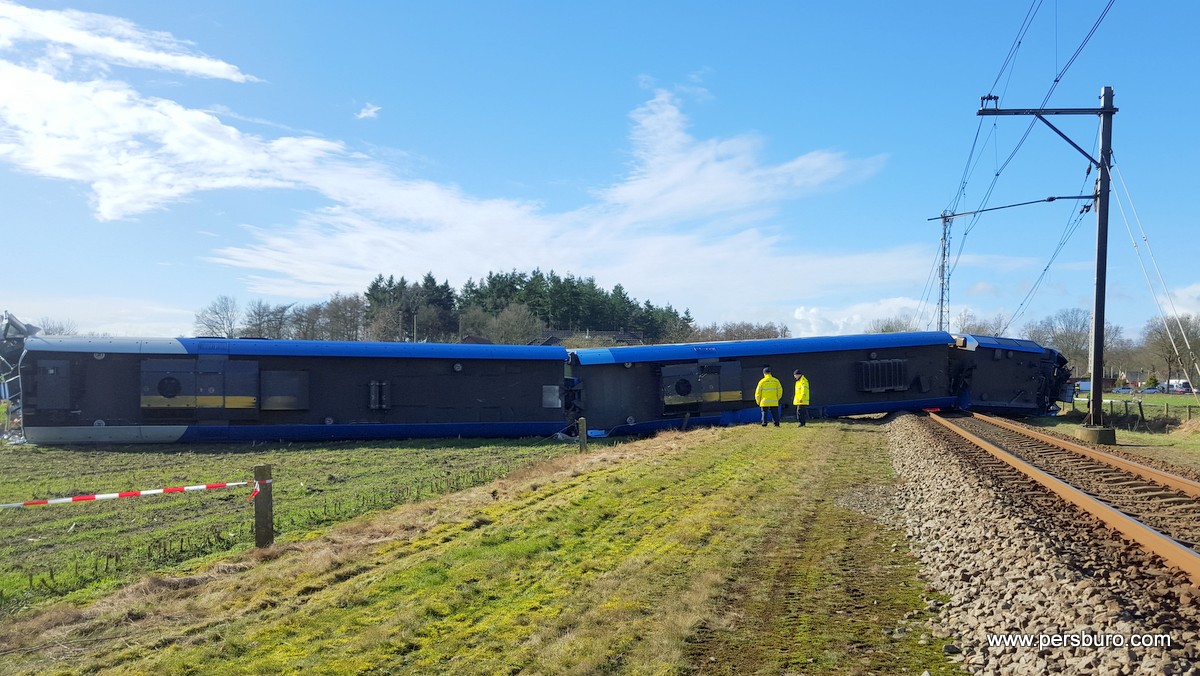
x,y
582,423
264,508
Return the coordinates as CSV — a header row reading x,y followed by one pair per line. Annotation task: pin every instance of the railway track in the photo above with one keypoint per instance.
x,y
1158,510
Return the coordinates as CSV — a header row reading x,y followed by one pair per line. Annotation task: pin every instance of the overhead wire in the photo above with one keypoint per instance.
x,y
1030,14
973,160
1162,281
1069,229
1073,222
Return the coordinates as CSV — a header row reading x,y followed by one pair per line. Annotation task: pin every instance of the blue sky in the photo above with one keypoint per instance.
x,y
764,161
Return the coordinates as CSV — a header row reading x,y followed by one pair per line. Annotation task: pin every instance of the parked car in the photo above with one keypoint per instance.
x,y
1179,386
1122,390
1150,390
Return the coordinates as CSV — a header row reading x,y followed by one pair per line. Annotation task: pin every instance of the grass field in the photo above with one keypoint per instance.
x,y
81,549
1180,445
712,551
1156,412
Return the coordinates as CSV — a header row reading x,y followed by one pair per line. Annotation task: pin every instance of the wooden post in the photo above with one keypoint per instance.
x,y
582,423
264,508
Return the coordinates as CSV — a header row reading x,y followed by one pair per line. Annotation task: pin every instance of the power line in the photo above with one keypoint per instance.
x,y
968,170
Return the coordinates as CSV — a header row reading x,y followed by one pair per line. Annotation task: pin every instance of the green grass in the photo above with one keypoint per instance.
x,y
1171,409
1177,443
81,549
636,558
829,591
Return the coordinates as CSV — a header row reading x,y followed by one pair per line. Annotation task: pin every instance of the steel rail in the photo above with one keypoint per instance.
x,y
1185,486
1175,554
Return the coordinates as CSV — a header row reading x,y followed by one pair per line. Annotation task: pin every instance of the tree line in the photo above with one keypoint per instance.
x,y
507,307
516,307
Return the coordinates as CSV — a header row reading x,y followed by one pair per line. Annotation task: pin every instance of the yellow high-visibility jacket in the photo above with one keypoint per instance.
x,y
769,391
801,396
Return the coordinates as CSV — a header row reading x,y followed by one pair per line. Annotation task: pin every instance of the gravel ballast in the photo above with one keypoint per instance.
x,y
1019,565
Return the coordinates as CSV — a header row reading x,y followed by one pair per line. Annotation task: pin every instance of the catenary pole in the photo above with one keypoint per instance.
x,y
1103,180
1096,405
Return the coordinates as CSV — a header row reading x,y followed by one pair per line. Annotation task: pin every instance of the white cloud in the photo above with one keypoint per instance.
x,y
1184,300
676,177
682,224
854,318
138,153
982,289
717,188
369,111
107,314
108,39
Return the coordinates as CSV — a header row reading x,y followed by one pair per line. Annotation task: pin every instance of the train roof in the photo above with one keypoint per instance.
x,y
754,348
1014,344
255,347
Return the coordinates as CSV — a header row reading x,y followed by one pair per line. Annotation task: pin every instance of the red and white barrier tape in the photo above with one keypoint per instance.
x,y
135,494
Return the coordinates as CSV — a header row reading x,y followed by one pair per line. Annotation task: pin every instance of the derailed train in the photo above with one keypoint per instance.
x,y
75,390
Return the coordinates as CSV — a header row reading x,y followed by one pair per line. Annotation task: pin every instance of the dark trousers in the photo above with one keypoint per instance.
x,y
771,412
801,414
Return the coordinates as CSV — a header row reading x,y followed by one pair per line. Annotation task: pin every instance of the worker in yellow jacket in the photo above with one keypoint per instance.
x,y
800,399
767,396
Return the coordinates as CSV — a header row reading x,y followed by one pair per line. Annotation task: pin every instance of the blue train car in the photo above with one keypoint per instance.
x,y
124,390
633,390
1007,376
100,390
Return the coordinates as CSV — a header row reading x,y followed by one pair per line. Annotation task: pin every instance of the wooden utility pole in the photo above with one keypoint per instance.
x,y
1094,429
264,508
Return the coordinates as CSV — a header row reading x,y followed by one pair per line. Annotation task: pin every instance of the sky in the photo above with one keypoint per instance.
x,y
762,161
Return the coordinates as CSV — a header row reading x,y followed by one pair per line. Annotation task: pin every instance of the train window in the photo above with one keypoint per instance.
x,y
284,390
552,396
53,384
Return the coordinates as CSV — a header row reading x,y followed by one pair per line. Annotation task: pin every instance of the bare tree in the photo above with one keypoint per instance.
x,y
346,317
307,322
1119,352
515,325
219,319
1067,331
896,324
53,327
968,323
263,320
1170,348
739,331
